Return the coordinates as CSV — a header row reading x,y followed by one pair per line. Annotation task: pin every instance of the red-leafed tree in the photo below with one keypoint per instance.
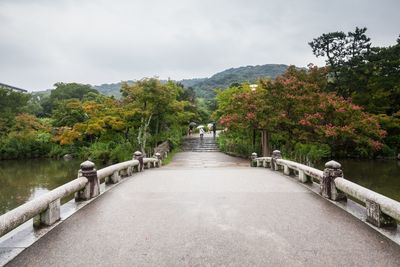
x,y
296,109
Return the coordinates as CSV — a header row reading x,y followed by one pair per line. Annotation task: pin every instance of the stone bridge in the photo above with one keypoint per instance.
x,y
207,208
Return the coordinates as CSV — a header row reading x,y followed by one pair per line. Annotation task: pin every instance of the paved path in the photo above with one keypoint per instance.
x,y
208,209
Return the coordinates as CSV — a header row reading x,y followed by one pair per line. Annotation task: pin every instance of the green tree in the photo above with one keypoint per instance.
x,y
11,103
66,91
157,107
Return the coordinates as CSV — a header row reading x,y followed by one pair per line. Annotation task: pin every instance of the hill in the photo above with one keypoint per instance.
x,y
111,89
205,87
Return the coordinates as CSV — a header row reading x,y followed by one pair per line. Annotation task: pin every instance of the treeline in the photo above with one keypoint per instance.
x,y
350,108
76,119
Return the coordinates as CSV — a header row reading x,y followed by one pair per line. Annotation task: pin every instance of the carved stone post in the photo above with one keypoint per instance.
x,y
276,154
158,156
327,186
138,156
253,162
92,188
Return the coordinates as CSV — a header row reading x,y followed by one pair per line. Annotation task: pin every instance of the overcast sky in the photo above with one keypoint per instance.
x,y
98,41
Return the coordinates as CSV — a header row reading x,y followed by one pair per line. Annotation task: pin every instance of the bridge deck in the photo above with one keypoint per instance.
x,y
198,211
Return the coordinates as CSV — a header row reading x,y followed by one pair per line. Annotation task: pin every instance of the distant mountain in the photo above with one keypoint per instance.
x,y
205,87
111,89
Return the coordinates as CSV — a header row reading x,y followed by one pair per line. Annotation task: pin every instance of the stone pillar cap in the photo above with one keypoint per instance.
x,y
87,165
333,165
137,153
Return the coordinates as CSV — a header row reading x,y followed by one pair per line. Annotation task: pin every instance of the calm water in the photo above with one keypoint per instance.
x,y
382,176
24,180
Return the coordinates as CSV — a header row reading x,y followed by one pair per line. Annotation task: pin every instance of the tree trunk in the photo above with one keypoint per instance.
x,y
254,139
266,149
143,132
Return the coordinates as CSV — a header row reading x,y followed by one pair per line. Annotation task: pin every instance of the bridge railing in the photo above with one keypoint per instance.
x,y
46,209
380,210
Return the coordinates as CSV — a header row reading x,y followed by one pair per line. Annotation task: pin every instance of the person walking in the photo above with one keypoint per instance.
x,y
214,129
201,133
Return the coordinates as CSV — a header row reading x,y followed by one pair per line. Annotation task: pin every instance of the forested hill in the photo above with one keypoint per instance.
x,y
110,89
204,87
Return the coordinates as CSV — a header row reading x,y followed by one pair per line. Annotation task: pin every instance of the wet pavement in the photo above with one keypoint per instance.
x,y
210,209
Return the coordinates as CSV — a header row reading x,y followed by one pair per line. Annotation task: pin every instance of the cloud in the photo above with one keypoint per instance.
x,y
95,42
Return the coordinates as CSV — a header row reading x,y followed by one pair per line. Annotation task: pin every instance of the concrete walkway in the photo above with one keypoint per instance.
x,y
209,209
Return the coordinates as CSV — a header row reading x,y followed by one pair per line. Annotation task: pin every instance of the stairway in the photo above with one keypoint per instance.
x,y
195,144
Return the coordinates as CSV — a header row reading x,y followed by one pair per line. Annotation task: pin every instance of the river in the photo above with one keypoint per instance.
x,y
23,180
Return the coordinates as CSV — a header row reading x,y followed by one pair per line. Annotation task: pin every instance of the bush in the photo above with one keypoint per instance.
x,y
311,153
121,152
108,153
28,147
238,144
97,151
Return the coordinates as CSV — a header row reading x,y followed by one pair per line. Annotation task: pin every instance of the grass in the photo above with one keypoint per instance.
x,y
170,156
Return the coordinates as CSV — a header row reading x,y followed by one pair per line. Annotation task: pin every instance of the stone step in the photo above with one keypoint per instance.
x,y
208,144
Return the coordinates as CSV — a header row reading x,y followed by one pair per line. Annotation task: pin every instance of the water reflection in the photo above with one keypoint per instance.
x,y
24,180
382,176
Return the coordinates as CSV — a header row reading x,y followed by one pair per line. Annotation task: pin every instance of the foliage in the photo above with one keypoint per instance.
x,y
310,153
76,119
369,75
29,137
238,143
11,103
62,93
300,114
157,108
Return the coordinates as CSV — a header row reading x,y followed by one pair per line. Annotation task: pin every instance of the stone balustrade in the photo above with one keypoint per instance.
x,y
46,209
380,211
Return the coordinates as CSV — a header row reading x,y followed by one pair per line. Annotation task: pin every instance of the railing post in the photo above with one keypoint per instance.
x,y
303,177
115,177
253,162
138,156
129,171
327,186
49,216
147,165
376,217
276,154
92,188
265,163
286,169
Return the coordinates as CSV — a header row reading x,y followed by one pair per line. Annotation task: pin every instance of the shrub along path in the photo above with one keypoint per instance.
x,y
211,209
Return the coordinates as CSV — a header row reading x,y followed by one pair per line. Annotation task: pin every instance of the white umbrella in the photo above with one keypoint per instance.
x,y
200,126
